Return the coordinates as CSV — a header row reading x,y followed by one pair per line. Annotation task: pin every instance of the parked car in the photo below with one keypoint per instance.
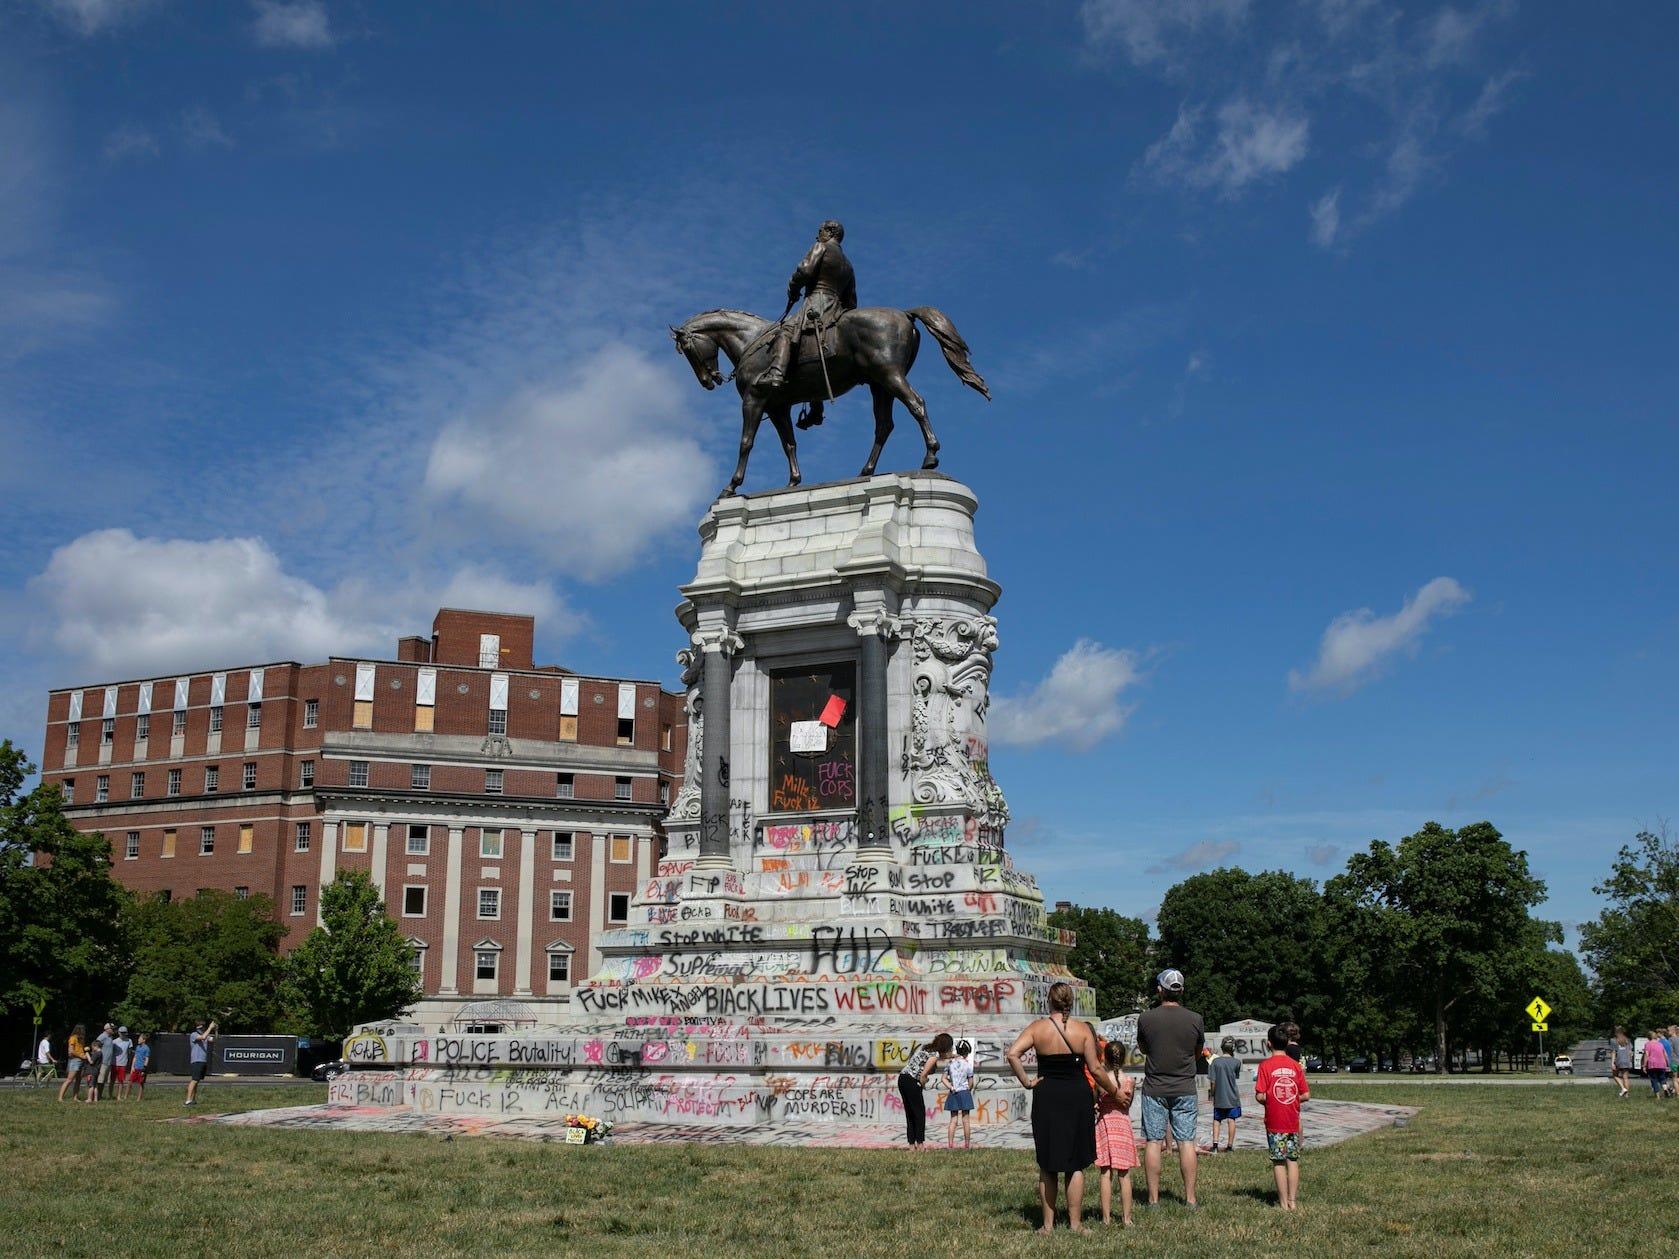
x,y
1359,1066
1422,1065
327,1070
1564,1065
1317,1066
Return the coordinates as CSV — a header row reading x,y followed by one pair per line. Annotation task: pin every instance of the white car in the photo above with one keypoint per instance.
x,y
1564,1065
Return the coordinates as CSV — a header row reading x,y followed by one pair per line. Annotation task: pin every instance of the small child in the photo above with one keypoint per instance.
x,y
142,1059
1280,1083
1224,1081
1116,1145
959,1094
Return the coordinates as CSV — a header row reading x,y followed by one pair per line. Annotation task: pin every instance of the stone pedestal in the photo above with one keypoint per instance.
x,y
837,887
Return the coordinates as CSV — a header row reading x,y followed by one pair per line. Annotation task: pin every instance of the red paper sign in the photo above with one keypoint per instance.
x,y
832,712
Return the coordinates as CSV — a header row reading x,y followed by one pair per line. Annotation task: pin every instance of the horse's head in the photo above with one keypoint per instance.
x,y
701,352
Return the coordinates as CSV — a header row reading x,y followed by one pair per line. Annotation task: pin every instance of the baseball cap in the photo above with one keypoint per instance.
x,y
122,1031
1170,980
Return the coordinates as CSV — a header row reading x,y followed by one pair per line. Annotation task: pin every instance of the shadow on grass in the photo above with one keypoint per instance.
x,y
1265,1197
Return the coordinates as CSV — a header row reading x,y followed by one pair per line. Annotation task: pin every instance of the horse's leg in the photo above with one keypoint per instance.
x,y
781,417
900,387
882,425
751,415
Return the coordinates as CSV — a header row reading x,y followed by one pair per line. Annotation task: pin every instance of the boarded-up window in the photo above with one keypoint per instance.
x,y
145,703
168,843
247,837
363,719
355,837
110,709
75,706
254,696
489,650
181,693
623,848
425,700
218,688
817,770
568,709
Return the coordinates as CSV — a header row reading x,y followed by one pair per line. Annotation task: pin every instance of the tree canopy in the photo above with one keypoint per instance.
x,y
355,967
208,956
1633,945
62,935
1112,955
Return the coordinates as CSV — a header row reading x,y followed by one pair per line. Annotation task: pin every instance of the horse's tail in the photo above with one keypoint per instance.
x,y
955,349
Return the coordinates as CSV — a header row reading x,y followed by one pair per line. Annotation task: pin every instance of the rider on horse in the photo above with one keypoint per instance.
x,y
829,286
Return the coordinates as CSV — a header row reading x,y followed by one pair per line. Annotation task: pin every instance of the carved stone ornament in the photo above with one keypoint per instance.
x,y
877,621
952,690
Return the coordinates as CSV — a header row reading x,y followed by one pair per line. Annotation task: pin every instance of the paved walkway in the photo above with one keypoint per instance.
x,y
1326,1123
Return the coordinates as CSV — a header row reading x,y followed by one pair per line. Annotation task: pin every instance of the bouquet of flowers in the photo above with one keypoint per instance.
x,y
594,1130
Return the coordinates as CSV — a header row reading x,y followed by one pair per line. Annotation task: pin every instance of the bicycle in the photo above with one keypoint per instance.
x,y
35,1074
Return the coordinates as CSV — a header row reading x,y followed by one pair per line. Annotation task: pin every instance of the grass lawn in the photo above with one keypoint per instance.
x,y
1482,1170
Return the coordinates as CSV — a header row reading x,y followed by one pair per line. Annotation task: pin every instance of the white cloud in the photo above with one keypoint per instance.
x,y
119,604
130,142
90,17
1251,143
1077,705
1493,97
1358,644
1323,854
590,472
201,129
1326,218
1207,853
1146,29
1449,35
110,604
299,24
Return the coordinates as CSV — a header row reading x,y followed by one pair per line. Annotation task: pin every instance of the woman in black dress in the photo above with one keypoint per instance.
x,y
1063,1108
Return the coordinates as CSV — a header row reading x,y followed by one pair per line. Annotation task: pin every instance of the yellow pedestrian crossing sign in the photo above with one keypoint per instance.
x,y
1538,1011
1541,1027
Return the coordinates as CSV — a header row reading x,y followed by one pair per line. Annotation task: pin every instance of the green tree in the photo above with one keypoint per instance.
x,y
1249,945
209,956
355,967
1633,945
61,912
1112,955
1447,906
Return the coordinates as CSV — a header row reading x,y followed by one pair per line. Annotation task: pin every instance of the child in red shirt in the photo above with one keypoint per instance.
x,y
1280,1084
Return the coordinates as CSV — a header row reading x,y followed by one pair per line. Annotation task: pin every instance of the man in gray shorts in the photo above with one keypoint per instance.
x,y
1171,1037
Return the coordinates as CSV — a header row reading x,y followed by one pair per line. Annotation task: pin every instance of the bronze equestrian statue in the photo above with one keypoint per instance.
x,y
847,346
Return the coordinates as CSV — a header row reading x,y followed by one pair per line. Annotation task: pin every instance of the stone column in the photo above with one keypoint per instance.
x,y
875,627
717,647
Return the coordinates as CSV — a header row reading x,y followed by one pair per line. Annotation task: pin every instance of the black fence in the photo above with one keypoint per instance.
x,y
230,1055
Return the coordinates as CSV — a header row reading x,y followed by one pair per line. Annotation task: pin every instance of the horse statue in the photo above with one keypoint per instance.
x,y
873,345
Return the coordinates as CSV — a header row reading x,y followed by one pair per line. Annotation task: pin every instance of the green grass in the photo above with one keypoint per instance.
x,y
1480,1170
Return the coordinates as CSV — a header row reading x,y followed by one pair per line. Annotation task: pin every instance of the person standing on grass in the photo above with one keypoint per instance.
x,y
959,1095
1224,1082
198,1046
1280,1084
141,1059
912,1087
1671,1044
75,1055
44,1061
1622,1071
1655,1062
1116,1146
124,1047
101,1062
1171,1037
1063,1108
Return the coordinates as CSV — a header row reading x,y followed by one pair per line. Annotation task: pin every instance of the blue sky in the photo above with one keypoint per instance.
x,y
1329,476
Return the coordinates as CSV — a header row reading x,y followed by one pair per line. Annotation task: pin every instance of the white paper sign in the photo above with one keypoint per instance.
x,y
808,736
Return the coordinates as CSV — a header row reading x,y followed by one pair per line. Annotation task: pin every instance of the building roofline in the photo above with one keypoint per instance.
x,y
178,673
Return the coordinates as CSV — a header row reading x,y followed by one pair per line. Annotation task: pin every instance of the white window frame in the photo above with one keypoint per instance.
x,y
425,896
215,719
623,788
305,774
107,731
419,776
212,779
484,843
558,950
359,769
248,776
241,893
495,894
173,783
206,835
611,899
131,846
299,904
253,715
311,713
566,838
102,789
554,895
495,782
137,785
303,836
424,850
565,785
478,956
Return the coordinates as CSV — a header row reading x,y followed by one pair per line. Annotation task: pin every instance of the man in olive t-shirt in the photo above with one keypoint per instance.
x,y
1171,1038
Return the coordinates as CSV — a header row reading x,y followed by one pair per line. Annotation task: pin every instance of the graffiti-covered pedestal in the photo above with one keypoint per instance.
x,y
837,887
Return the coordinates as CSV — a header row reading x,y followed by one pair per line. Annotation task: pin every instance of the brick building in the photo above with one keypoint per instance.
x,y
506,811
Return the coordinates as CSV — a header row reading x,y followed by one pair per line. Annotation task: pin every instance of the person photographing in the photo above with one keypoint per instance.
x,y
202,1037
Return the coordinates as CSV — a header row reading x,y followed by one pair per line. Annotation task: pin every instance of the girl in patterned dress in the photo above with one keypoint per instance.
x,y
1116,1147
